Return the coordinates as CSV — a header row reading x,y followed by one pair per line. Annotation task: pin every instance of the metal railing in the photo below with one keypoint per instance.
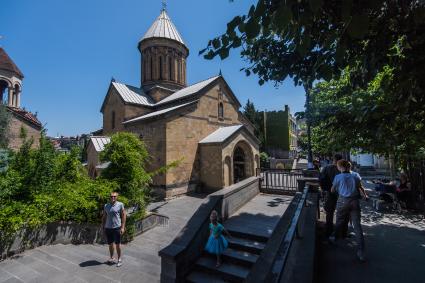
x,y
279,179
293,232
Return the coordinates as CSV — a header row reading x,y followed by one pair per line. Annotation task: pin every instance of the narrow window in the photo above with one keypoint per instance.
x,y
179,71
170,69
220,111
113,120
160,67
151,70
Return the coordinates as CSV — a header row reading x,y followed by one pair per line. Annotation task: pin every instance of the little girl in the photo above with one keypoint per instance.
x,y
216,242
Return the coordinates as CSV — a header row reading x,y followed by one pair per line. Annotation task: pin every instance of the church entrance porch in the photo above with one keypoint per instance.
x,y
227,160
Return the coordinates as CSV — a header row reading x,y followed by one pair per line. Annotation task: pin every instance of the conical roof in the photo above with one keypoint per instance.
x,y
7,64
163,27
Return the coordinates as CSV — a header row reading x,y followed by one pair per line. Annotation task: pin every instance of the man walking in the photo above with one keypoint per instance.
x,y
327,176
113,223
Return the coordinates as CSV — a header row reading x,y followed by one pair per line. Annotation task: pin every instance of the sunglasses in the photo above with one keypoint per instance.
x,y
113,196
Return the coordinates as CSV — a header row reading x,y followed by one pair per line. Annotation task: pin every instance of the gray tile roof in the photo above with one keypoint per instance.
x,y
221,134
131,94
159,112
163,27
187,91
100,142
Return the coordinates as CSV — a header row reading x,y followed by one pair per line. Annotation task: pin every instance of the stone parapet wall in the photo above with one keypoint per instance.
x,y
69,233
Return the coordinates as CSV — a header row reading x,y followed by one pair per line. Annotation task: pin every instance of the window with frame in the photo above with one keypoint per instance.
x,y
113,120
220,110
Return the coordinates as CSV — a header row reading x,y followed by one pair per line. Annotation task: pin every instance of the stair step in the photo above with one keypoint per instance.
x,y
248,245
228,271
237,257
203,277
236,233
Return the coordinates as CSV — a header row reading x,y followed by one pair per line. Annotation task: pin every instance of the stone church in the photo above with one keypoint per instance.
x,y
200,124
10,96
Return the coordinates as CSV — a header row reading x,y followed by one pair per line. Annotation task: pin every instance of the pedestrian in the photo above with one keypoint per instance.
x,y
349,188
113,224
216,242
327,176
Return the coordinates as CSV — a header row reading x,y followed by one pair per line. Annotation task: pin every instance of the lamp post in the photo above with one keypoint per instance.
x,y
307,88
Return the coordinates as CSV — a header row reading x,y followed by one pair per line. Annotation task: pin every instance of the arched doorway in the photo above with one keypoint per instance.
x,y
239,165
243,161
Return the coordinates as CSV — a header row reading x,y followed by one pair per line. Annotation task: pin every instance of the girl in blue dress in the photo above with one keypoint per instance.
x,y
216,242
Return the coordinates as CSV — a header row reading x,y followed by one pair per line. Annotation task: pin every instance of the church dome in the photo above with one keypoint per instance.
x,y
8,65
163,27
164,54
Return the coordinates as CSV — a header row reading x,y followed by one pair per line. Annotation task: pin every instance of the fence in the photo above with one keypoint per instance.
x,y
285,180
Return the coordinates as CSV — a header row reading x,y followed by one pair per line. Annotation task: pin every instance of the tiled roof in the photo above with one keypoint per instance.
x,y
221,134
163,27
100,142
187,91
131,94
7,64
26,115
159,112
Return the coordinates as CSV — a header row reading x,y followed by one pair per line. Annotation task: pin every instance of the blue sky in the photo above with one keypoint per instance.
x,y
68,51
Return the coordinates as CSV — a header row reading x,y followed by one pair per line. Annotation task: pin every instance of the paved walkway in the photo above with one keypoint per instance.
x,y
395,246
86,263
260,215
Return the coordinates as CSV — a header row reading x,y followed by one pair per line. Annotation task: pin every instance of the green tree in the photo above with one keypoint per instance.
x,y
4,126
127,157
311,40
256,118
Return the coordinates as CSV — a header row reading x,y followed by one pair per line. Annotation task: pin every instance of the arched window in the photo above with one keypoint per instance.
x,y
151,69
3,88
160,67
179,71
113,120
220,111
170,69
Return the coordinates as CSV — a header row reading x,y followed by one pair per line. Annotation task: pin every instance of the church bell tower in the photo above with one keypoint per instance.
x,y
163,56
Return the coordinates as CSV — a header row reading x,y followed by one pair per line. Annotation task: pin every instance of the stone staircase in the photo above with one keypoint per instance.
x,y
249,235
243,252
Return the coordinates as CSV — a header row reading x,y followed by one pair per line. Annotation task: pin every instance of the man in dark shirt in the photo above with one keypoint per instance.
x,y
327,176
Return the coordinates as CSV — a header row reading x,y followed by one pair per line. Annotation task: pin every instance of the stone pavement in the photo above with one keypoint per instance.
x,y
86,263
395,247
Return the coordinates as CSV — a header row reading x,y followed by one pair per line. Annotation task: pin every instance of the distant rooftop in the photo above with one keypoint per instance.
x,y
6,63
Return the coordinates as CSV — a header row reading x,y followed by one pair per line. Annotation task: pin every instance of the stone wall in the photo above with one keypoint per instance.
x,y
123,112
153,134
178,257
69,233
15,140
184,134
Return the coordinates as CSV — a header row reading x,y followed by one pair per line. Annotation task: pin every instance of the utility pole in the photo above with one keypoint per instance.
x,y
307,88
265,127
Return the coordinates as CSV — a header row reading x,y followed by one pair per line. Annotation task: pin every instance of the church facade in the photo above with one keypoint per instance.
x,y
200,125
10,96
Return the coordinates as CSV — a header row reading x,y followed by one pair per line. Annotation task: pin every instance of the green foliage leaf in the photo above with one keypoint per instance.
x,y
252,28
315,5
358,26
282,16
224,53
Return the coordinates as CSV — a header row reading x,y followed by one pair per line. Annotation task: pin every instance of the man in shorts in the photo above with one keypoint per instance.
x,y
113,223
